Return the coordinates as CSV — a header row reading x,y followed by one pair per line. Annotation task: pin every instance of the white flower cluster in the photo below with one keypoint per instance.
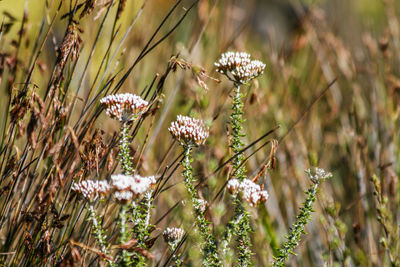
x,y
240,66
251,192
173,235
128,187
91,189
188,131
318,174
124,107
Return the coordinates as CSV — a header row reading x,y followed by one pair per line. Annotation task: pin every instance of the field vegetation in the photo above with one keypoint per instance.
x,y
130,137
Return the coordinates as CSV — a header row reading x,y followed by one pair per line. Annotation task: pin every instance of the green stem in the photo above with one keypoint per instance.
x,y
124,150
229,232
147,208
124,235
141,221
97,230
240,224
175,257
242,231
210,253
297,228
237,133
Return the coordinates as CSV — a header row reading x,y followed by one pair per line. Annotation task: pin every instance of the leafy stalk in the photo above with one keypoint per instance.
x,y
240,224
297,229
124,235
126,162
210,253
97,229
140,213
124,150
177,262
237,133
390,238
141,223
242,231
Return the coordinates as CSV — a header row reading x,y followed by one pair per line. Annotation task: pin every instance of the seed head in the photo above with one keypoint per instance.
x,y
92,190
71,43
188,131
239,67
124,107
173,235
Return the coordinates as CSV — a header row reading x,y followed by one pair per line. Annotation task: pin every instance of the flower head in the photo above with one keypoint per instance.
x,y
91,190
318,174
188,131
173,235
233,185
251,192
124,107
123,196
240,66
128,187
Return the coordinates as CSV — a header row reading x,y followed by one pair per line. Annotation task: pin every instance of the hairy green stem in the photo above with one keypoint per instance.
x,y
211,257
240,224
147,207
242,231
229,232
127,166
175,257
237,133
390,239
138,233
124,235
297,228
124,150
97,230
141,222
